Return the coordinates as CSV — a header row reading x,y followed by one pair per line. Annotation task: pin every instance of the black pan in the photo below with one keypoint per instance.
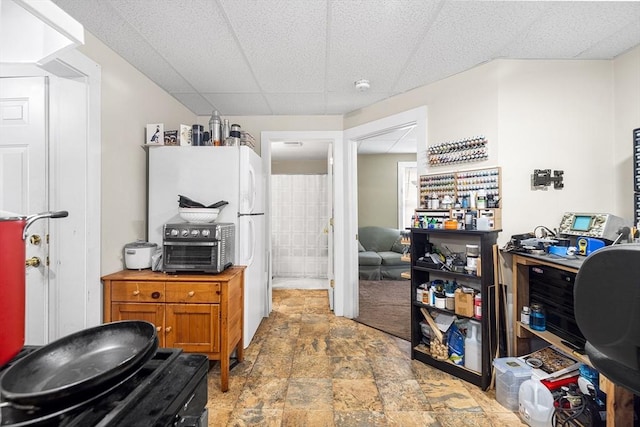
x,y
77,365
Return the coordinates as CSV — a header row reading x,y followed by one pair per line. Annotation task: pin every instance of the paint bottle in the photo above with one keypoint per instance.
x,y
524,315
477,306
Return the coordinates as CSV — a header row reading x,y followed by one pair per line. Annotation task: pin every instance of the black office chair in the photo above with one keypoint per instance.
x,y
607,309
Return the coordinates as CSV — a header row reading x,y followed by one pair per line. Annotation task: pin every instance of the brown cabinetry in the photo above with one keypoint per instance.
x,y
199,313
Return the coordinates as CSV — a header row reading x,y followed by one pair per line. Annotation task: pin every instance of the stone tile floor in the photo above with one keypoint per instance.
x,y
307,367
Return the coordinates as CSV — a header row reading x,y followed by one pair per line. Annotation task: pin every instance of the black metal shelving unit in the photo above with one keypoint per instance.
x,y
420,237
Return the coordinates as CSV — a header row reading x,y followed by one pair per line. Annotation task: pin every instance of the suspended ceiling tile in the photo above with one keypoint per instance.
x,y
239,104
195,102
466,34
284,41
295,103
621,41
203,50
567,29
341,102
103,21
374,42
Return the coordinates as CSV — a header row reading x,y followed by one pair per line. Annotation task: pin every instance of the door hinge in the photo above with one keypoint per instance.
x,y
47,261
47,239
331,222
332,283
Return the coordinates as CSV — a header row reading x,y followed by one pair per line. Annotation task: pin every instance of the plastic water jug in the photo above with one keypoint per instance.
x,y
535,404
473,348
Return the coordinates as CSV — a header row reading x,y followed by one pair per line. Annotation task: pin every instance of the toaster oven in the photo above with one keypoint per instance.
x,y
195,247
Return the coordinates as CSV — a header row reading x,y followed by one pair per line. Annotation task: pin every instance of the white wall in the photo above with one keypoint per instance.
x,y
536,115
626,72
555,115
129,101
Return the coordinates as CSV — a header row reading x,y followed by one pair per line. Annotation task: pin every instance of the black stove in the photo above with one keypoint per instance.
x,y
169,390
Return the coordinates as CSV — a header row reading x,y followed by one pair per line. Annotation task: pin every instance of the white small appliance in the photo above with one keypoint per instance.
x,y
137,255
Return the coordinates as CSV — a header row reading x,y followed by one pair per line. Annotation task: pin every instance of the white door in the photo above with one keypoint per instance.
x,y
330,272
23,184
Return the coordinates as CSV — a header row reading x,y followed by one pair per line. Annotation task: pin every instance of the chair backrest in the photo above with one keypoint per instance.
x,y
607,310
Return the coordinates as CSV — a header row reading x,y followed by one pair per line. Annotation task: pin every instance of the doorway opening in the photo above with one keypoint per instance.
x,y
299,207
407,193
356,138
298,236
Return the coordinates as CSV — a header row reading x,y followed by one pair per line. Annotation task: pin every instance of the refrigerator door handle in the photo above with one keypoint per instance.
x,y
252,241
252,189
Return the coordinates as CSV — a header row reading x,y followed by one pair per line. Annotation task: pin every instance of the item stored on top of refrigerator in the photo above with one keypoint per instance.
x,y
215,129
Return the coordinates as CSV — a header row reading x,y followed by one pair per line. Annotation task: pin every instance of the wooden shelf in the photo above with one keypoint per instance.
x,y
553,340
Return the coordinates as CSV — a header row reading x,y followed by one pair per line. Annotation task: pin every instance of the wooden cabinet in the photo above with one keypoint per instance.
x,y
199,313
619,399
455,241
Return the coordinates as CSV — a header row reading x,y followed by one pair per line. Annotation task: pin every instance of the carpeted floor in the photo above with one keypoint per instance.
x,y
386,305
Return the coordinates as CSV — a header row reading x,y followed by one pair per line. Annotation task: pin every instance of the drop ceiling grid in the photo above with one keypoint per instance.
x,y
360,46
342,102
195,102
237,104
295,103
465,35
284,41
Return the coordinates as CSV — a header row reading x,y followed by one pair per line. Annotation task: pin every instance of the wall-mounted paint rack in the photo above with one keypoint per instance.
x,y
472,149
461,184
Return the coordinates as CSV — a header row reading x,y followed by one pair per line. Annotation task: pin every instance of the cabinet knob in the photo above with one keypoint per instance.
x,y
136,292
191,293
155,295
158,328
167,329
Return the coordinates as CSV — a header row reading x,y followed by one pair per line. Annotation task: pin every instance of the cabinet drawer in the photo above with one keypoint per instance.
x,y
137,291
194,292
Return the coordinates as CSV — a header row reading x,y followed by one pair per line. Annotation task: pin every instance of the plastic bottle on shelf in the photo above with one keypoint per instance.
x,y
477,306
537,319
524,315
473,347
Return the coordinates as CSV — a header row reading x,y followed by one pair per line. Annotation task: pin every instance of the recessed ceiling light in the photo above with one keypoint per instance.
x,y
362,85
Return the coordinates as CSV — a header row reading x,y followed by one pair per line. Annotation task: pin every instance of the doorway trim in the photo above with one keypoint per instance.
x,y
347,161
266,138
68,316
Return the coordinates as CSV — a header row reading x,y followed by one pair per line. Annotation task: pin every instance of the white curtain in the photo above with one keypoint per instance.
x,y
299,218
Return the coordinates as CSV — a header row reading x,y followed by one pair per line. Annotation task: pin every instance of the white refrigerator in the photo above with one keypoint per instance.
x,y
208,175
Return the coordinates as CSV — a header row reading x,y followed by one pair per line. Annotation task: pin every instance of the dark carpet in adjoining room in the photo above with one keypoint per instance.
x,y
386,305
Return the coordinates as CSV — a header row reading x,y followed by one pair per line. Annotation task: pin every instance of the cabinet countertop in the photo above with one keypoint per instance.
x,y
148,275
